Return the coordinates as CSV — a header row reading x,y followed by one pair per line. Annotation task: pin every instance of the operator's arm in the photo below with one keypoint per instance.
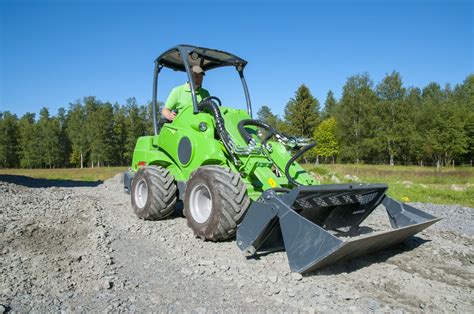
x,y
168,114
170,104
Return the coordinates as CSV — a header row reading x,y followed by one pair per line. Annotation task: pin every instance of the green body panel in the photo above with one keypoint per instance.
x,y
260,171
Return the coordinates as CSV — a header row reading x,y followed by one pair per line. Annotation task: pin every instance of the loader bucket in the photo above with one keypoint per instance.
x,y
307,220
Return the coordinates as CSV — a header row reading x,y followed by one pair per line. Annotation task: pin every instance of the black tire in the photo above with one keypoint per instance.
x,y
161,196
225,200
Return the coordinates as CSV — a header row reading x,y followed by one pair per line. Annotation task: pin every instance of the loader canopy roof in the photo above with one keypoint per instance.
x,y
206,58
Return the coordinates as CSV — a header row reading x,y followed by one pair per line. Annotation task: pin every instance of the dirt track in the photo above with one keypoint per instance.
x,y
78,247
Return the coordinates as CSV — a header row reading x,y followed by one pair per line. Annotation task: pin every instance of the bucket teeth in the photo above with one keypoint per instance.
x,y
298,222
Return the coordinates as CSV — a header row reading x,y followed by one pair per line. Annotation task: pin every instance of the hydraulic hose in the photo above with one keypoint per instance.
x,y
292,160
247,137
258,123
213,108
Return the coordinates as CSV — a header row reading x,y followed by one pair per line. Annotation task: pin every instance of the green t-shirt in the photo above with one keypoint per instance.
x,y
181,97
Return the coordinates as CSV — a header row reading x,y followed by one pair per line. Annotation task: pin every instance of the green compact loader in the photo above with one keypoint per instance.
x,y
237,176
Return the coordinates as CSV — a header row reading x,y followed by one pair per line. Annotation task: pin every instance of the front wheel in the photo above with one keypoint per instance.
x,y
214,203
153,193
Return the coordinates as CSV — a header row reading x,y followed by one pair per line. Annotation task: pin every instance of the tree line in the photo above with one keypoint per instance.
x,y
385,123
89,133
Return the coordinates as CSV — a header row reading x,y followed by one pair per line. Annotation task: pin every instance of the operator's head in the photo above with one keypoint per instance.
x,y
198,75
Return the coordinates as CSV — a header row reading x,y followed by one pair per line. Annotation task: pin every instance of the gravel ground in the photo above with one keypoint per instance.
x,y
79,247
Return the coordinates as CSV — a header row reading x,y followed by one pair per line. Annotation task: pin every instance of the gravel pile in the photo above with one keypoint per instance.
x,y
68,247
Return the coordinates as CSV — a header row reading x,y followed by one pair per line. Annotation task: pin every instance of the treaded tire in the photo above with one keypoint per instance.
x,y
225,197
160,198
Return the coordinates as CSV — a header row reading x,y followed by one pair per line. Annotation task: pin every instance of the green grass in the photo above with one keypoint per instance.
x,y
77,174
409,183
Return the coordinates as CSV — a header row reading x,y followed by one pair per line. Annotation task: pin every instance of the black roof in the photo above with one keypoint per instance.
x,y
206,58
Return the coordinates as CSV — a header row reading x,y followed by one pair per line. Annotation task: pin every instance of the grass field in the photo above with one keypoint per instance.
x,y
86,174
408,183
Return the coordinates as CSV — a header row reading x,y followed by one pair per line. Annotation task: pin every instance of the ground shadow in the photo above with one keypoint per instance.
x,y
46,183
178,210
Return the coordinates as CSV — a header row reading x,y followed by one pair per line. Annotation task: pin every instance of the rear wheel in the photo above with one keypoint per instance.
x,y
153,193
215,202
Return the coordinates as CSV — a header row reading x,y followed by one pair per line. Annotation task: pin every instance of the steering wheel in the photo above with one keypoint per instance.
x,y
212,98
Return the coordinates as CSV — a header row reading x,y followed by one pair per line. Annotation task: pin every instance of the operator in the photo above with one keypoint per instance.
x,y
181,97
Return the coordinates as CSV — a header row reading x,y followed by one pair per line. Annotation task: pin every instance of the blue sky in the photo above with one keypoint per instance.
x,y
55,52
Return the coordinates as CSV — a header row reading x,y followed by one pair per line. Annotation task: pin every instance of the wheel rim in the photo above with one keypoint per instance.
x,y
200,204
141,193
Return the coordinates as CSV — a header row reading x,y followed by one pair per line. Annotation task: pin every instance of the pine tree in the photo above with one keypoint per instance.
x,y
266,115
91,106
99,124
78,134
135,126
329,106
302,113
